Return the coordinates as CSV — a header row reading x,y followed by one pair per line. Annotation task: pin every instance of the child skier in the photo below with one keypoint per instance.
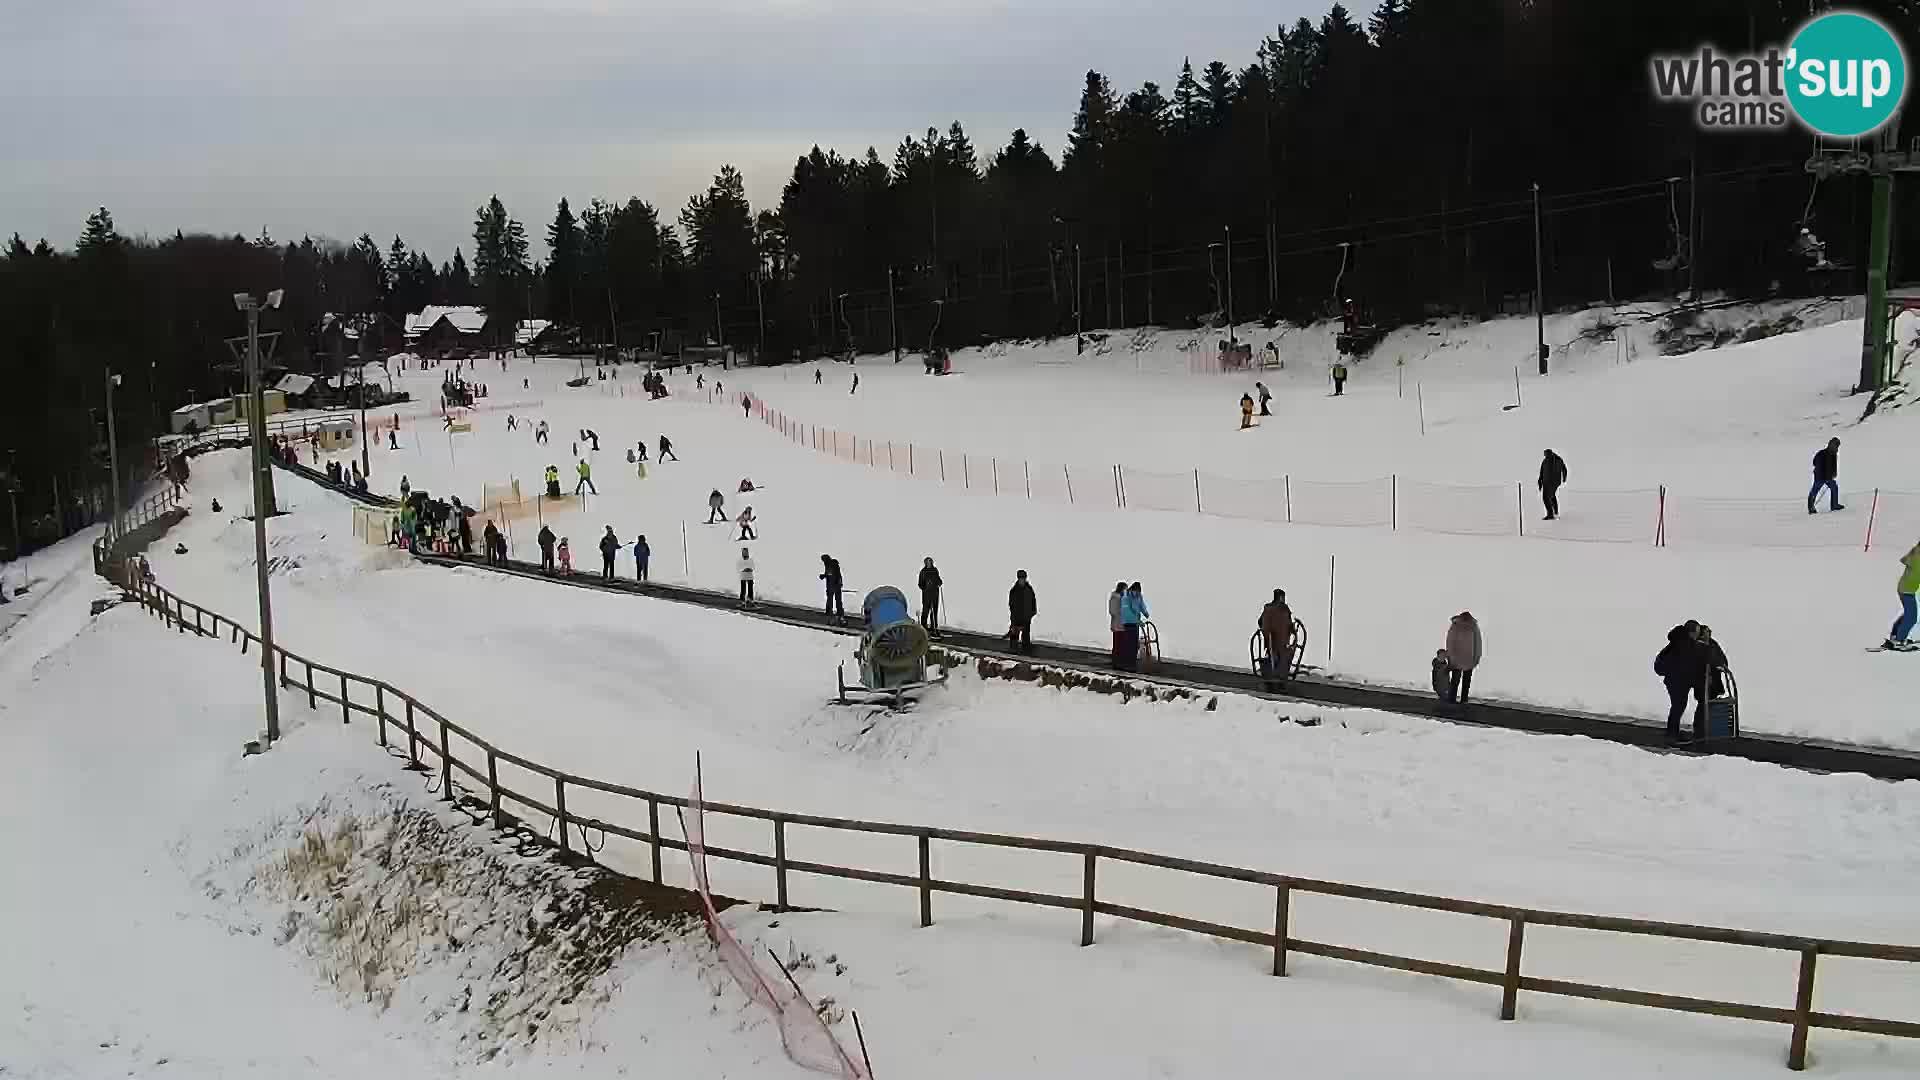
x,y
566,557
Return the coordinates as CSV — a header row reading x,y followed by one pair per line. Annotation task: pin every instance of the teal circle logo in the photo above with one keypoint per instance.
x,y
1846,74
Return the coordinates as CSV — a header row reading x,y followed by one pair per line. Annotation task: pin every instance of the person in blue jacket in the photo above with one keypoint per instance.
x,y
1133,612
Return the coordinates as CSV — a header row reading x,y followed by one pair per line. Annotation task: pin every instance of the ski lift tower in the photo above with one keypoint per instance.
x,y
1879,157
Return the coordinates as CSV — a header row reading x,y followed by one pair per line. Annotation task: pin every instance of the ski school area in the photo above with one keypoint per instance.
x,y
1688,492
1686,499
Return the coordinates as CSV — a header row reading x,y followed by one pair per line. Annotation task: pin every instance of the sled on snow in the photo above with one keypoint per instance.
x,y
1291,665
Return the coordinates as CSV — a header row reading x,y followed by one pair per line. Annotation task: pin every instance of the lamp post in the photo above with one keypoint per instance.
x,y
846,326
262,503
893,322
1226,252
113,461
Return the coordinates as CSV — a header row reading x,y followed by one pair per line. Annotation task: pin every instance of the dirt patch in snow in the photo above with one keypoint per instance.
x,y
481,934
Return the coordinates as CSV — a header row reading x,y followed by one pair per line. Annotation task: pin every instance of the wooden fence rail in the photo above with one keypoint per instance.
x,y
434,739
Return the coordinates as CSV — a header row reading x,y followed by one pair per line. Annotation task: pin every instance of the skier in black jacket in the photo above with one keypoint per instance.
x,y
830,574
1553,473
930,595
1826,474
1021,608
609,547
546,540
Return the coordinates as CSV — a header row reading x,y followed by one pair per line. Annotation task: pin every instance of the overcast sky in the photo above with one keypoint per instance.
x,y
334,117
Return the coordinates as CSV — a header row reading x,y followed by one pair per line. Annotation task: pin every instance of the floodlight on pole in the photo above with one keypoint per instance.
x,y
262,505
113,461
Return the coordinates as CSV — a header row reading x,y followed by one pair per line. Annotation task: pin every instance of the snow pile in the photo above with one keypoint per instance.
x,y
491,949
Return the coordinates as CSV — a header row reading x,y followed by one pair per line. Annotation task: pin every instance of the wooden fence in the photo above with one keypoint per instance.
x,y
436,745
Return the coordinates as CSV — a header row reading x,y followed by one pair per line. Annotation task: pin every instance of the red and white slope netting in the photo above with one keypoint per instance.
x,y
806,1037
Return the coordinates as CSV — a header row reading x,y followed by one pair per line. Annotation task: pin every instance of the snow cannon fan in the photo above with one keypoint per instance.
x,y
893,650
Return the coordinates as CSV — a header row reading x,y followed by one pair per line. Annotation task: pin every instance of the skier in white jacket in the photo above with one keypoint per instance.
x,y
745,566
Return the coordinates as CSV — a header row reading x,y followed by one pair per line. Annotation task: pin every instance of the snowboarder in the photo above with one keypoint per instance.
x,y
746,485
1021,608
1463,655
1553,473
540,433
1897,638
830,573
1826,474
490,536
586,478
929,595
1276,627
1133,615
715,501
745,566
609,547
545,539
641,553
666,450
1246,411
1266,395
745,521
1115,602
1339,378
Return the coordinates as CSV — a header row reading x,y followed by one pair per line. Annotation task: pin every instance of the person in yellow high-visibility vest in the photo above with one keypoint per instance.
x,y
586,478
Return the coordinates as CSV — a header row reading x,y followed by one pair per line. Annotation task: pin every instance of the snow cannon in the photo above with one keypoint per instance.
x,y
892,652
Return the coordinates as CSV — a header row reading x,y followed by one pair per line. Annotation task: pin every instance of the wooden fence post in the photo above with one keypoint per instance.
x,y
1196,492
1510,989
413,739
926,880
493,787
780,861
1802,1009
653,832
446,765
1286,486
380,711
346,710
560,808
1086,901
1282,898
313,699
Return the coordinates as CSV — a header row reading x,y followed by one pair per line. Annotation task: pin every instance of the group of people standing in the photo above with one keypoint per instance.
x,y
1127,613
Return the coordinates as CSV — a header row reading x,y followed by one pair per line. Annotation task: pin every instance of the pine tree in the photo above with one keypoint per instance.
x,y
563,263
719,226
1092,125
1389,23
1189,104
1217,82
99,236
17,248
458,280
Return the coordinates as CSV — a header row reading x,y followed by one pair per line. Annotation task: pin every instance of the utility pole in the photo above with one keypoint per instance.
x,y
366,466
719,330
760,309
1079,269
1539,285
262,504
13,501
1874,342
893,321
1227,253
1693,229
113,461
